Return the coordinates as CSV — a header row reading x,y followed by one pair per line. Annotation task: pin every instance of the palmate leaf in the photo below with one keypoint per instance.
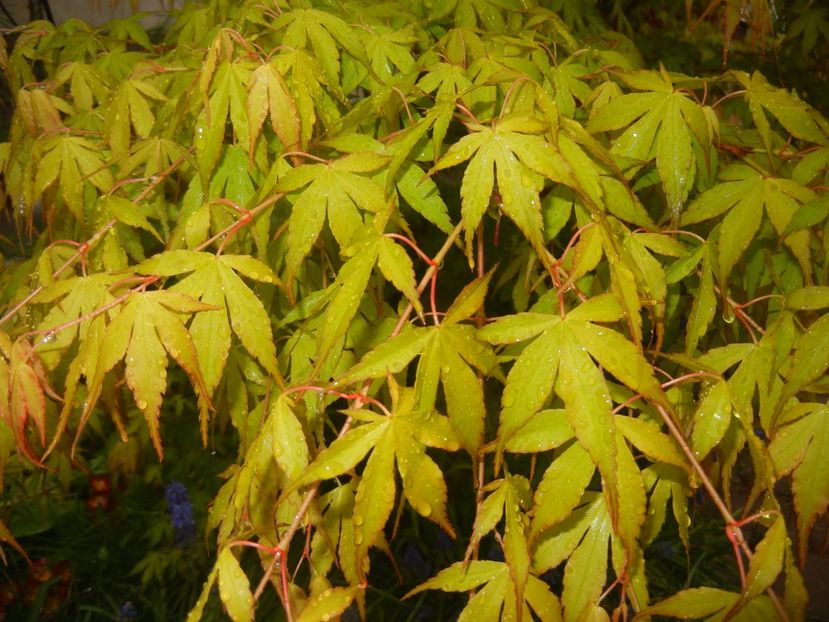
x,y
234,588
659,123
581,539
495,594
711,419
215,281
560,358
401,438
129,111
336,190
449,354
314,95
328,603
796,116
268,94
529,383
148,327
561,488
23,389
665,482
326,33
799,448
72,299
809,361
743,194
518,154
150,157
70,161
86,84
228,97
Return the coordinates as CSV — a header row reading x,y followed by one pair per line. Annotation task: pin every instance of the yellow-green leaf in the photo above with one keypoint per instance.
x,y
234,588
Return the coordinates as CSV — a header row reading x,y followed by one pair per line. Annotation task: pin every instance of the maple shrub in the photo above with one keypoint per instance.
x,y
465,268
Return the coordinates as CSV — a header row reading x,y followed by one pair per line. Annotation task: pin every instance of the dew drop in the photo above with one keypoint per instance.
x,y
358,519
425,509
142,404
728,314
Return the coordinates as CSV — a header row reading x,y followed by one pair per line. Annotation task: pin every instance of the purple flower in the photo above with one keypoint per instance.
x,y
181,513
415,564
127,612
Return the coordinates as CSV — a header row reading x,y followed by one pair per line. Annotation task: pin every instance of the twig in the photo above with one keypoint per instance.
x,y
732,526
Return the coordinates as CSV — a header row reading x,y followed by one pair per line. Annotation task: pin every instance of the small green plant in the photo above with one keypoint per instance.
x,y
461,268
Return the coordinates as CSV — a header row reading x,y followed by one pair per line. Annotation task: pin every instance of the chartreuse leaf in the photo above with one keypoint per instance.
x,y
71,160
343,454
796,117
517,157
587,404
290,449
647,438
462,577
234,588
800,448
543,602
148,327
665,482
487,603
545,430
586,569
375,496
390,356
402,437
348,289
130,111
423,195
327,604
268,94
489,512
197,611
325,32
338,190
22,398
423,482
78,297
214,281
396,266
460,352
691,604
531,378
810,360
674,156
557,543
516,547
711,419
704,305
561,488
450,353
469,300
632,502
744,195
767,561
659,125
808,298
496,592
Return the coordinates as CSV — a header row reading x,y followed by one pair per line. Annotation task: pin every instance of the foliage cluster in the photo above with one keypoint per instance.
x,y
391,253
